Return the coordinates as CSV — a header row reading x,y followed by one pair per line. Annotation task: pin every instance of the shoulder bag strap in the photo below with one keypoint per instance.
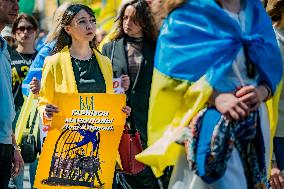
x,y
33,122
112,52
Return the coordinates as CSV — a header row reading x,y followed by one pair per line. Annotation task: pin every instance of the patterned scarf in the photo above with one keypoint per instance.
x,y
208,156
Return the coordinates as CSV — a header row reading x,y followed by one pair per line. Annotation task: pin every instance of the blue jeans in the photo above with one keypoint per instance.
x,y
33,167
19,180
278,143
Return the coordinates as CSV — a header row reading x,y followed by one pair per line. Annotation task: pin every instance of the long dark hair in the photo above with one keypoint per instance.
x,y
64,38
143,17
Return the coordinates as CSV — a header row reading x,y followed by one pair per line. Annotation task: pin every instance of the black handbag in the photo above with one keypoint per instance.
x,y
28,143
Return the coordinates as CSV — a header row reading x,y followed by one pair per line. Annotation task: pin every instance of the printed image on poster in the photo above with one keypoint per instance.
x,y
117,86
82,143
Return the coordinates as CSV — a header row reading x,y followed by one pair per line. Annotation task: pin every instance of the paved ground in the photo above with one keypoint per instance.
x,y
27,178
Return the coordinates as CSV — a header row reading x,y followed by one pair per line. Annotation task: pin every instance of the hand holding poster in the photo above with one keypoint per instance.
x,y
82,144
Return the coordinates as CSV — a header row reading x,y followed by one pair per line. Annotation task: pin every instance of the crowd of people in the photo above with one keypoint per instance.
x,y
213,68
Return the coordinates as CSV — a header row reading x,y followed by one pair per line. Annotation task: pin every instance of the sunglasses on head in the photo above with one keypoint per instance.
x,y
23,28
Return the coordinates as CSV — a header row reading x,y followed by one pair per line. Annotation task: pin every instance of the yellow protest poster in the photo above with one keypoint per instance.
x,y
81,146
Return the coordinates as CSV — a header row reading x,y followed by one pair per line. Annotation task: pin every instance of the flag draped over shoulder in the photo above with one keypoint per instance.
x,y
196,47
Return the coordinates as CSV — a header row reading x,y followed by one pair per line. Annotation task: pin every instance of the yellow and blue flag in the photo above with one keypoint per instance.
x,y
197,45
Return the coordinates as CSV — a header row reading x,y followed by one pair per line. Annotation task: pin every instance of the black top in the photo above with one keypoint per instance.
x,y
20,64
139,91
88,76
134,55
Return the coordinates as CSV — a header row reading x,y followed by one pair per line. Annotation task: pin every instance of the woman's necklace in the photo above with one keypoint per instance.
x,y
82,64
28,61
79,56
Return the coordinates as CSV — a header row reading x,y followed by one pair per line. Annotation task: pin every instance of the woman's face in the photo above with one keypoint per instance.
x,y
131,28
82,27
25,32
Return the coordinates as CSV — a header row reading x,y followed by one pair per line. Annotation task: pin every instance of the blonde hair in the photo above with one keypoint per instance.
x,y
56,22
275,9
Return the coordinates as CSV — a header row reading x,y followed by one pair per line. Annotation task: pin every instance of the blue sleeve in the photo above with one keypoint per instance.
x,y
36,67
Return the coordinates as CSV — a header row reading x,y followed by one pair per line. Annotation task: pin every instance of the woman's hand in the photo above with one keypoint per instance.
x,y
127,110
125,82
252,96
230,106
35,86
276,179
49,110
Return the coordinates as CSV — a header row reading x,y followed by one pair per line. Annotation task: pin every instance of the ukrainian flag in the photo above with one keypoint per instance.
x,y
196,47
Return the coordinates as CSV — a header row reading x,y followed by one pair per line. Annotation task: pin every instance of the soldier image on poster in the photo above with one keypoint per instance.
x,y
75,160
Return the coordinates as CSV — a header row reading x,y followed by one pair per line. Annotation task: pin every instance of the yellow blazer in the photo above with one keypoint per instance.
x,y
58,76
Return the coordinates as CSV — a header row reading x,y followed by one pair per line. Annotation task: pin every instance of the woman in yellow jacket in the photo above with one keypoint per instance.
x,y
76,65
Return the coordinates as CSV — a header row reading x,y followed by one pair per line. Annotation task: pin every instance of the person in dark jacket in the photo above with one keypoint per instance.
x,y
132,53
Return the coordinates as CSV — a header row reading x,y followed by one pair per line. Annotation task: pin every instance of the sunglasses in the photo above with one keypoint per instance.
x,y
29,29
